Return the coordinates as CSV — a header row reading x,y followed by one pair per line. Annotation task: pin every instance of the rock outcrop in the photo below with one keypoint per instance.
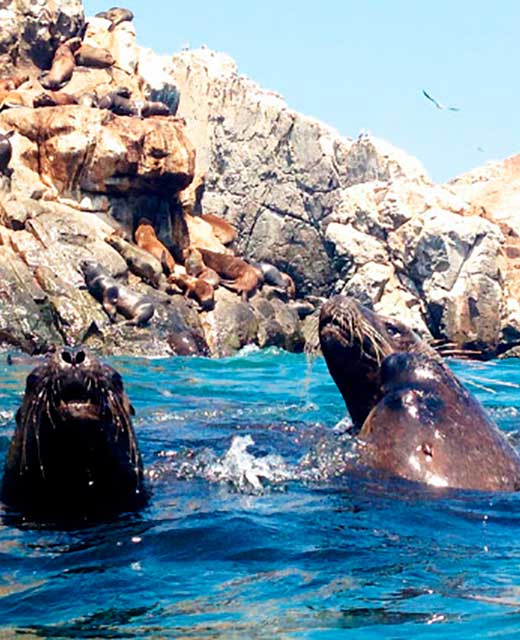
x,y
356,216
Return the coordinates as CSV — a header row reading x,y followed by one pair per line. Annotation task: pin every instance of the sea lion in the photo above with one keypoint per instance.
x,y
118,103
12,100
195,288
194,265
139,261
146,238
224,231
116,15
147,108
411,415
115,297
63,64
74,452
428,428
276,278
123,105
54,99
96,57
234,272
10,83
6,151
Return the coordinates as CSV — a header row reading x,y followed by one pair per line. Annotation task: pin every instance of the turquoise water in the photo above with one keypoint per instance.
x,y
244,540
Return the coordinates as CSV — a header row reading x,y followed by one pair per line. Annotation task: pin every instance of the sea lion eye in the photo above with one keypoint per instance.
x,y
392,330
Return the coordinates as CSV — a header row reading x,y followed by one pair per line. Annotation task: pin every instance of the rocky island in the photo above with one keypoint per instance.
x,y
159,205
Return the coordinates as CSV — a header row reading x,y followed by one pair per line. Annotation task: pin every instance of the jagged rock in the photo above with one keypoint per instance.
x,y
26,317
76,148
455,264
493,192
270,171
231,325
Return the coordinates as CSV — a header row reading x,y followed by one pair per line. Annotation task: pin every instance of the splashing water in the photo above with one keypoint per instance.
x,y
221,552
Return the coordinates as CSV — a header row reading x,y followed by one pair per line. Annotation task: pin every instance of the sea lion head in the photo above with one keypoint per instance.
x,y
74,450
355,341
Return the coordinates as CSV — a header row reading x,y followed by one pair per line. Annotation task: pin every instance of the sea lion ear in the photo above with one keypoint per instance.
x,y
131,409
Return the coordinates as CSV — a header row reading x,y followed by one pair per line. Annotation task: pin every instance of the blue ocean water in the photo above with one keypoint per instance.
x,y
250,534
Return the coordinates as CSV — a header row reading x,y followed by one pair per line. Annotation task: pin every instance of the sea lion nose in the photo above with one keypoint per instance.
x,y
73,357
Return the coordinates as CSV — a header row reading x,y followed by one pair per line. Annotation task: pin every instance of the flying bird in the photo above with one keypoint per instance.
x,y
438,104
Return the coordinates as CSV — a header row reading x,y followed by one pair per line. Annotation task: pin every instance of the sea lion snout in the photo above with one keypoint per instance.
x,y
72,356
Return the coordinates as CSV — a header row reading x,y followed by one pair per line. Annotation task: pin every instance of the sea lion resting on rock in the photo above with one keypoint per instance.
x,y
146,238
412,416
139,261
115,297
195,266
53,99
195,288
276,278
10,83
74,451
96,57
63,65
120,103
6,151
234,272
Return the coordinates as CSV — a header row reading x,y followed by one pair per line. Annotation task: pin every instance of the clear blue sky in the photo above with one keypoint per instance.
x,y
361,64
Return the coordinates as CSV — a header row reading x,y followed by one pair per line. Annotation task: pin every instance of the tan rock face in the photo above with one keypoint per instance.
x,y
75,148
494,192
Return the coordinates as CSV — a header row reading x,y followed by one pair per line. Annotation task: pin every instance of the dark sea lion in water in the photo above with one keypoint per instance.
x,y
74,451
115,297
63,65
355,341
412,416
6,151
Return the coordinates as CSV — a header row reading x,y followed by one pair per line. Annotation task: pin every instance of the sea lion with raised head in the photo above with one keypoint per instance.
x,y
63,65
115,297
412,417
116,15
146,238
194,265
236,274
74,453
